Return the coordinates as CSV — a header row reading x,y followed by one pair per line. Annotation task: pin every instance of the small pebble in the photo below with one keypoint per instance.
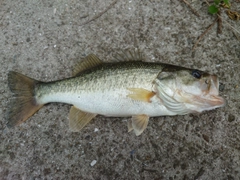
x,y
93,162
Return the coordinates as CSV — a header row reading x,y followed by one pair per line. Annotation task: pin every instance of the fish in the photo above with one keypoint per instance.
x,y
130,87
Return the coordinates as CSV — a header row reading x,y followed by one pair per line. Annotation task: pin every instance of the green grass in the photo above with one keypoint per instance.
x,y
214,8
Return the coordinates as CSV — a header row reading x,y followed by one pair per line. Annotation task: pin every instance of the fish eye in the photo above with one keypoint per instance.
x,y
196,74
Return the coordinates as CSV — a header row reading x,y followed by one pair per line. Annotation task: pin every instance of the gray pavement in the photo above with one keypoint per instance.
x,y
45,39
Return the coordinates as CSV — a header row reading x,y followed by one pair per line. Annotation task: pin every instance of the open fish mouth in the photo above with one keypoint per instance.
x,y
186,100
208,102
212,98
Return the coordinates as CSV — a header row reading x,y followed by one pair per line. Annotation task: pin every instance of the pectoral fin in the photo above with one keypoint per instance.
x,y
139,124
78,119
141,94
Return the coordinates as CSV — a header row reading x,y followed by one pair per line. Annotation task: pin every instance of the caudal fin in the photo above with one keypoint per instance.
x,y
23,104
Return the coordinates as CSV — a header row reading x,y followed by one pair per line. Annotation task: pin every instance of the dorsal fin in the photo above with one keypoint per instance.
x,y
88,62
129,55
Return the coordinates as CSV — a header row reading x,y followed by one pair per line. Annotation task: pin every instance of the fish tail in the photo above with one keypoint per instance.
x,y
24,103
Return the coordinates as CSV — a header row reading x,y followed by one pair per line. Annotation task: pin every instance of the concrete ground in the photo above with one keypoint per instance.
x,y
45,39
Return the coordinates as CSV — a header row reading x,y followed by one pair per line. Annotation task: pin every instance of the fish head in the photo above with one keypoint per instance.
x,y
184,90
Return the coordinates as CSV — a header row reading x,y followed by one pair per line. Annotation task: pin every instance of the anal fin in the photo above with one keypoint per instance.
x,y
78,119
139,124
141,94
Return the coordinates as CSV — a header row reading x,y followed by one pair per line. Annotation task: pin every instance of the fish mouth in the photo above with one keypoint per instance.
x,y
208,100
215,101
182,101
212,98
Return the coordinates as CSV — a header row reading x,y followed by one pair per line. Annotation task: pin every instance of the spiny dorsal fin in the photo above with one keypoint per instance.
x,y
78,119
88,62
129,55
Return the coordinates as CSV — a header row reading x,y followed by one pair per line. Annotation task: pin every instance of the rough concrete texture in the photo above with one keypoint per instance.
x,y
44,39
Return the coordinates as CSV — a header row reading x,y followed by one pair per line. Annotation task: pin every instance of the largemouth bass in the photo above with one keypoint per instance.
x,y
131,88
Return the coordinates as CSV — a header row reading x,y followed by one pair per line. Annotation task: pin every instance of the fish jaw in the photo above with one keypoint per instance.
x,y
200,103
182,102
209,99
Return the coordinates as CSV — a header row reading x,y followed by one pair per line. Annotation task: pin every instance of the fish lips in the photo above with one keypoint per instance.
x,y
213,101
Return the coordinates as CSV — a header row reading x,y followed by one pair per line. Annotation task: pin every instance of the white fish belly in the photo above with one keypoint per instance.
x,y
110,103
